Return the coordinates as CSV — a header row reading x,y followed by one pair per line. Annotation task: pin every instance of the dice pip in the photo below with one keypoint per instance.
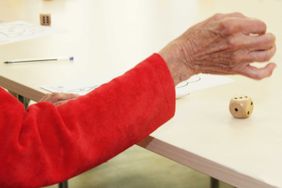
x,y
241,107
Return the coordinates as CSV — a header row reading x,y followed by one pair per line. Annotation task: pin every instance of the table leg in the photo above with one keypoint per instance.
x,y
21,98
214,183
63,184
24,100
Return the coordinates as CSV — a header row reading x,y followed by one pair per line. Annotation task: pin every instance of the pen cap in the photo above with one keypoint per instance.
x,y
71,59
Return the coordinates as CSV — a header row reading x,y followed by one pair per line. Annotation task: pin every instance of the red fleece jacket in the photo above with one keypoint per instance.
x,y
46,144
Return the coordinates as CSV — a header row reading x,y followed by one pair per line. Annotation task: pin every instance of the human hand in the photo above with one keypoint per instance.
x,y
222,44
58,98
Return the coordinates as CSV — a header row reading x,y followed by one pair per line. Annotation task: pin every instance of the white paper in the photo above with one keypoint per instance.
x,y
19,30
200,82
195,83
80,90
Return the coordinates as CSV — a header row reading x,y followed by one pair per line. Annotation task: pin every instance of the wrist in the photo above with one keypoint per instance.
x,y
175,63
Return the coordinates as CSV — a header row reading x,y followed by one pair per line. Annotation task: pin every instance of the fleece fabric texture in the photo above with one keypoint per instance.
x,y
46,144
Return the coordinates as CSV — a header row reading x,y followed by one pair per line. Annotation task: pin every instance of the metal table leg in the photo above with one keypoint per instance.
x,y
21,98
63,184
214,183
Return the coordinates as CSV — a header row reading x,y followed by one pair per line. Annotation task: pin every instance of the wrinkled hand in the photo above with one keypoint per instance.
x,y
58,98
222,44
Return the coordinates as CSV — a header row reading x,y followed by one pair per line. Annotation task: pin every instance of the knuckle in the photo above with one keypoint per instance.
x,y
226,26
262,56
217,16
232,43
239,14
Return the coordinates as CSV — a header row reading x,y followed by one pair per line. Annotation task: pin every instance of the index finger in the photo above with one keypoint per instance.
x,y
246,26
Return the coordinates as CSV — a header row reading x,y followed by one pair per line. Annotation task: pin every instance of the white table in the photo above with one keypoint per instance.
x,y
108,37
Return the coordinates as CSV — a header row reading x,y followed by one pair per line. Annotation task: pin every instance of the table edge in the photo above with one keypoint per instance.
x,y
202,164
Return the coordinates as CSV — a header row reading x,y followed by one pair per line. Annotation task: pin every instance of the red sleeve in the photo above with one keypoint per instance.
x,y
47,144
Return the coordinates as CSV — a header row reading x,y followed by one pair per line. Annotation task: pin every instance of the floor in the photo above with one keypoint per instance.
x,y
139,168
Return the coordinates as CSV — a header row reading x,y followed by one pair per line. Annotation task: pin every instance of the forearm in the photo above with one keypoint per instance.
x,y
48,144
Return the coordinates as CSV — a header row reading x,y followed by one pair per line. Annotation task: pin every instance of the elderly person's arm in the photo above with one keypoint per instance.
x,y
46,144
